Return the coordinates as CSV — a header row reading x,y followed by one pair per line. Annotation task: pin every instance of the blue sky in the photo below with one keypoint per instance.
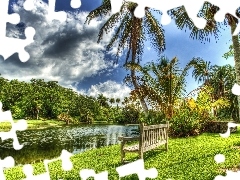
x,y
69,53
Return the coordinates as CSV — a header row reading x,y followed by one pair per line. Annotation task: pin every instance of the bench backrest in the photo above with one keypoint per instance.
x,y
152,135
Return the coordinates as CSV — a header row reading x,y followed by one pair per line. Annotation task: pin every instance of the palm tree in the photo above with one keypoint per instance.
x,y
130,33
112,100
118,101
222,81
102,100
222,76
162,84
212,28
202,70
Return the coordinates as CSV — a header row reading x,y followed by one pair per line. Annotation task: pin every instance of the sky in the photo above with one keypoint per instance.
x,y
68,52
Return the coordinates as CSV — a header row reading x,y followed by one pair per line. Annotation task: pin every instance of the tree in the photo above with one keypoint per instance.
x,y
162,84
212,28
112,100
131,33
103,101
222,80
202,70
118,101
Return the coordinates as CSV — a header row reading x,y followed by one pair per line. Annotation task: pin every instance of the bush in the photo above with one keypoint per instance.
x,y
17,112
65,117
154,117
185,123
131,115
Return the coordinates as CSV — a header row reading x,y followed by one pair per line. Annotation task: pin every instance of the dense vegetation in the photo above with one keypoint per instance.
x,y
161,84
39,99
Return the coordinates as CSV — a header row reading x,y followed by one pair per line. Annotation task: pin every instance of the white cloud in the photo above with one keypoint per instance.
x,y
109,89
67,52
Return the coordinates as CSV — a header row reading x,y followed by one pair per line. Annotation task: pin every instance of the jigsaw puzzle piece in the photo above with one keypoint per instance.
x,y
66,165
192,8
28,5
18,126
66,162
61,15
28,171
7,162
76,3
13,45
226,7
229,6
236,89
5,17
87,173
137,167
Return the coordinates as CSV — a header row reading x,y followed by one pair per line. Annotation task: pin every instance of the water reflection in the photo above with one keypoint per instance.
x,y
48,143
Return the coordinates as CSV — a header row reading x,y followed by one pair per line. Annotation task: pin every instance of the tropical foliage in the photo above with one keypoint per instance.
x,y
43,100
213,28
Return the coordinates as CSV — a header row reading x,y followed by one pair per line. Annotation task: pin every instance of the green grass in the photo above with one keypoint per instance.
x,y
34,124
187,158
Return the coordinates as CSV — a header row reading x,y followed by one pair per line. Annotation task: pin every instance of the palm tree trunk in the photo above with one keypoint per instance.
x,y
236,47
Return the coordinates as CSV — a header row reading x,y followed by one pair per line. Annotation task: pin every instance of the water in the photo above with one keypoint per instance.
x,y
48,143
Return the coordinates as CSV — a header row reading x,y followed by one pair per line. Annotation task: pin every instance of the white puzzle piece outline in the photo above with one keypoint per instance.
x,y
9,46
66,165
21,125
192,9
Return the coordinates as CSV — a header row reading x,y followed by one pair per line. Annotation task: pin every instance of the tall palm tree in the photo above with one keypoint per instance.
x,y
118,101
212,28
130,33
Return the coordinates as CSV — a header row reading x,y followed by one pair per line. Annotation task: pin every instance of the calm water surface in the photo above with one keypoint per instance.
x,y
48,143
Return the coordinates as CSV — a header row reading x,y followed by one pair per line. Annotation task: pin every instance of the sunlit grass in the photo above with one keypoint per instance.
x,y
187,158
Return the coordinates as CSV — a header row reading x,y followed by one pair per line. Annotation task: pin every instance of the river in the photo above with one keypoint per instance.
x,y
48,143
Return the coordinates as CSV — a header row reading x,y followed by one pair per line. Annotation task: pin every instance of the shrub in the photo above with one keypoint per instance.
x,y
65,117
17,112
185,123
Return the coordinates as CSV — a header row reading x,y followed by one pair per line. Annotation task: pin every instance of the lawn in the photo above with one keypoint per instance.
x,y
187,158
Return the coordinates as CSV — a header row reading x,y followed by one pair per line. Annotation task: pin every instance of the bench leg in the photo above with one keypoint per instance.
x,y
122,153
122,157
166,146
141,154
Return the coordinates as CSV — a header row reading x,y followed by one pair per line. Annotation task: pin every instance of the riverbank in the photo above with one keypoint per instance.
x,y
187,158
43,124
34,124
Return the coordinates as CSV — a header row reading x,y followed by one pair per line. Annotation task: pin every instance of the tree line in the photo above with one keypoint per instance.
x,y
40,99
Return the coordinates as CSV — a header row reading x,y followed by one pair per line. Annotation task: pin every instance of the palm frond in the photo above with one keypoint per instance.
x,y
102,10
156,32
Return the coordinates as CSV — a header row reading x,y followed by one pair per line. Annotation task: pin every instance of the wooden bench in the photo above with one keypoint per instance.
x,y
150,138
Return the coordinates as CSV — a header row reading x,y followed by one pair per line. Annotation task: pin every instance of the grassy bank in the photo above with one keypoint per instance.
x,y
43,124
187,158
34,124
